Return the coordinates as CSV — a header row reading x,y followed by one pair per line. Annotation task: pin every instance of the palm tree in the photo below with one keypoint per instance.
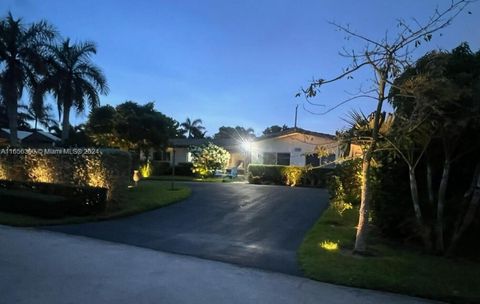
x,y
42,115
73,80
21,61
193,128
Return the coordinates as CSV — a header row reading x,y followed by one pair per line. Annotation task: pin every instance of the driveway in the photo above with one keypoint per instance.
x,y
249,225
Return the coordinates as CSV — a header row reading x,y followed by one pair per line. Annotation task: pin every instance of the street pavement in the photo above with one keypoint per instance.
x,y
46,267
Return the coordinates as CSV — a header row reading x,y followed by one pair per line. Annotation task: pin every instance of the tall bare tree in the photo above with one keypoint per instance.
x,y
386,58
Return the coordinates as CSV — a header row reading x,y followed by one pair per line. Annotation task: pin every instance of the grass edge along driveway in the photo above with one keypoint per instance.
x,y
325,255
148,195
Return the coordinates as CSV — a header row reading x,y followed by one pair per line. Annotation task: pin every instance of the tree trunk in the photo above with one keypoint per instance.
x,y
65,123
442,191
363,216
362,227
469,216
12,121
424,230
431,196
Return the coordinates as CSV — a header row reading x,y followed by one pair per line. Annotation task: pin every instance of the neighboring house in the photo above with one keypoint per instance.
x,y
294,146
35,138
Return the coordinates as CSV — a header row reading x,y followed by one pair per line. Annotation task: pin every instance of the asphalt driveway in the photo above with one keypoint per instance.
x,y
249,225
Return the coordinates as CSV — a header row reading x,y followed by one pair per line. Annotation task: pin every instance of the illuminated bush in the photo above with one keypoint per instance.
x,y
40,169
3,170
344,188
146,170
339,201
293,175
208,158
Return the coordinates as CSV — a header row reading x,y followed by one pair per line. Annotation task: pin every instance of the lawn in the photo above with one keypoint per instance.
x,y
196,179
147,196
325,255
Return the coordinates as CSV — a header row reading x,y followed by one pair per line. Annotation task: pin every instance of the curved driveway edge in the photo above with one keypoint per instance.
x,y
249,225
45,267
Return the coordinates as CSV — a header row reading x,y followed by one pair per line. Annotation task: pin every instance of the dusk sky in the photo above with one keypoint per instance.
x,y
234,62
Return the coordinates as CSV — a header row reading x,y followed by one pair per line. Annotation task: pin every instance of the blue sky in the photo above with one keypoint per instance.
x,y
233,62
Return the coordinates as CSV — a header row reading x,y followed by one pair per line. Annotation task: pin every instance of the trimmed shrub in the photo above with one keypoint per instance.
x,y
51,200
318,176
160,167
288,175
182,169
266,174
104,168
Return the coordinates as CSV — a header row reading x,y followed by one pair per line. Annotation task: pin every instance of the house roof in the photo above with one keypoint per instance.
x,y
186,142
230,142
24,135
290,131
48,135
20,134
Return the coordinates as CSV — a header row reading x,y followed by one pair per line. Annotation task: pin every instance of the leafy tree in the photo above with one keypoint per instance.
x,y
438,107
73,79
386,58
194,128
131,126
274,129
237,133
22,50
208,158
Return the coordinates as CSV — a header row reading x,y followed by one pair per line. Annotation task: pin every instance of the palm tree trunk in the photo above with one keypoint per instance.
x,y
424,230
12,120
65,123
442,190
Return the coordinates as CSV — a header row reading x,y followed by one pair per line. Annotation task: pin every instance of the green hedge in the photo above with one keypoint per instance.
x,y
51,200
160,167
289,175
103,168
182,169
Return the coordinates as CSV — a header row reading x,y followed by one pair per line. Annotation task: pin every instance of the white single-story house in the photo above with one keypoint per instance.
x,y
294,146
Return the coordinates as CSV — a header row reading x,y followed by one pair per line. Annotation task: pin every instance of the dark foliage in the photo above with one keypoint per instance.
x,y
51,200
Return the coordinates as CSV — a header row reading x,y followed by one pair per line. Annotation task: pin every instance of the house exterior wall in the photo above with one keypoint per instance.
x,y
298,145
181,155
237,159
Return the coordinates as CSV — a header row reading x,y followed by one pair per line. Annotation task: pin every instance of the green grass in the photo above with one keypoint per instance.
x,y
147,196
391,268
195,179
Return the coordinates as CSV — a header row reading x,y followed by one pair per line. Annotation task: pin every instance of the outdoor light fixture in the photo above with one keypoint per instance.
x,y
247,145
136,177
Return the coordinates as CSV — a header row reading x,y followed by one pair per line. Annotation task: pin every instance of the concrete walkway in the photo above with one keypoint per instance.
x,y
47,267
